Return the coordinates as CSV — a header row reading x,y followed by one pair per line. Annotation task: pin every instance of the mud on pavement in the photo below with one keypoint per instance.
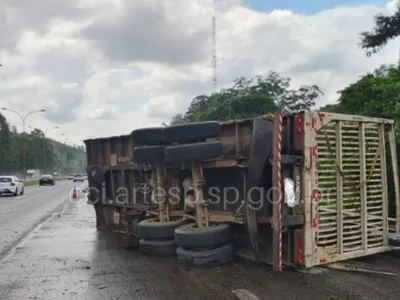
x,y
67,258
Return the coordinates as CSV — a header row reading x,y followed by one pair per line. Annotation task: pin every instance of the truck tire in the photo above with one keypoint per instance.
x,y
193,152
192,132
207,258
148,136
394,239
153,229
190,236
148,153
157,247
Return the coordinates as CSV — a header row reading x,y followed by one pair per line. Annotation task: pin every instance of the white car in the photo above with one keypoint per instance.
x,y
11,185
78,177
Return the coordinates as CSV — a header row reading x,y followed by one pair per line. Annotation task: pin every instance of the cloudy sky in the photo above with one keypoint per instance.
x,y
106,67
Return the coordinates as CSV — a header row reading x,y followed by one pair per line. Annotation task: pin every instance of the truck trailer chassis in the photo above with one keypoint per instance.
x,y
322,178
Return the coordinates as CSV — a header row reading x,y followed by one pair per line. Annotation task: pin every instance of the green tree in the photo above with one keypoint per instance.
x,y
387,27
376,94
177,119
40,152
6,150
249,98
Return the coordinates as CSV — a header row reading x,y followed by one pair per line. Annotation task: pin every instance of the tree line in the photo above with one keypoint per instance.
x,y
248,98
41,153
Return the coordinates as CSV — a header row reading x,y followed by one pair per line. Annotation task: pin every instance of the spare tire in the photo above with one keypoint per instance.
x,y
158,248
148,136
192,132
206,258
394,239
148,154
153,229
190,236
193,152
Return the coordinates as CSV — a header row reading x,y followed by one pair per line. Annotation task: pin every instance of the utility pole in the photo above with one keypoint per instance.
x,y
23,118
214,48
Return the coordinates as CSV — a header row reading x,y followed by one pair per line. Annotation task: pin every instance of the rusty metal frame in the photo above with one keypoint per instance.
x,y
162,208
307,187
201,206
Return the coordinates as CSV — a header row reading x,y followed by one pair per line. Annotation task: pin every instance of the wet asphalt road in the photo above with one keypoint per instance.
x,y
19,214
65,257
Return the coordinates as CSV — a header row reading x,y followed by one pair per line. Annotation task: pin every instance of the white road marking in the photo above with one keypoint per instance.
x,y
244,295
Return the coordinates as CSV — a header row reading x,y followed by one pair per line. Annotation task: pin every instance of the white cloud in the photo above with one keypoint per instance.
x,y
107,67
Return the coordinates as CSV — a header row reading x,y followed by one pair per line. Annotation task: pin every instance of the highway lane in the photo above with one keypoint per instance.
x,y
20,214
67,258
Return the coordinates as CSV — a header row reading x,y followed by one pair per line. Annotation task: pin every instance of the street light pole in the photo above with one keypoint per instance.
x,y
23,118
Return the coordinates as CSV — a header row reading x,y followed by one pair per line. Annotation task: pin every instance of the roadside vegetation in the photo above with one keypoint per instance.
x,y
249,98
41,153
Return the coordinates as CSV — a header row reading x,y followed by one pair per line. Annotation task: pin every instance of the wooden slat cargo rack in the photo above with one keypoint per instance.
x,y
301,189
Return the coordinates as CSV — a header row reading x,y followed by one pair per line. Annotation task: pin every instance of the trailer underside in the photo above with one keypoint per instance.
x,y
335,217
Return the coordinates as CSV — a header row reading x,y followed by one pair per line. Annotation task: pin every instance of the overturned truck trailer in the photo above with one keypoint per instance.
x,y
303,189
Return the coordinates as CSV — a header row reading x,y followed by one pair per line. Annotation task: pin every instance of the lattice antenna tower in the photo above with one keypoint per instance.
x,y
214,47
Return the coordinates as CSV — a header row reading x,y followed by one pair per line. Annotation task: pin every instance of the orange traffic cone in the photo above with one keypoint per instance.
x,y
74,194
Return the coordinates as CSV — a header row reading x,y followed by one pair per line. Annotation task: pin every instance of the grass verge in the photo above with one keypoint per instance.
x,y
31,183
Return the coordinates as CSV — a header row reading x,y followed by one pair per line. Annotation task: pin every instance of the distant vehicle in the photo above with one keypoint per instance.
x,y
47,179
33,173
78,177
70,177
11,185
84,176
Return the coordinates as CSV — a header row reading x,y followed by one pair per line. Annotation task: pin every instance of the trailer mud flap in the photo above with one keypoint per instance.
x,y
260,152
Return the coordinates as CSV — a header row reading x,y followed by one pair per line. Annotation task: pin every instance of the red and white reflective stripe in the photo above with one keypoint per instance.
x,y
279,168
